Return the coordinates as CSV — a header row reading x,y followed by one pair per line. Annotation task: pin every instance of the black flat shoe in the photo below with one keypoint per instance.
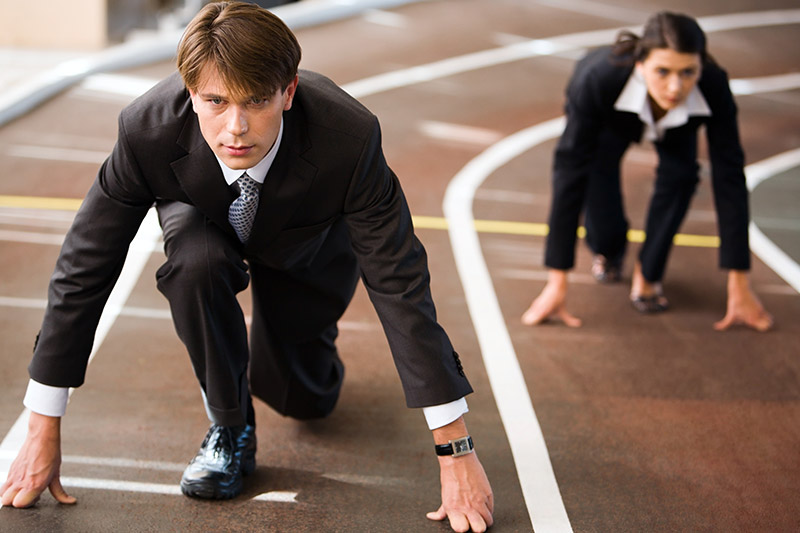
x,y
226,455
649,304
605,270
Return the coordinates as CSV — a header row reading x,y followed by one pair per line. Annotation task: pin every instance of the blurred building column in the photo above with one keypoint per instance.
x,y
54,23
77,24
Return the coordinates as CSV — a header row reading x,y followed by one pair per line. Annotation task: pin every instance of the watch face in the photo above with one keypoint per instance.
x,y
460,446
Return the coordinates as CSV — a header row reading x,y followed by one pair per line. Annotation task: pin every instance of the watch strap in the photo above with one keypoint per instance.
x,y
456,447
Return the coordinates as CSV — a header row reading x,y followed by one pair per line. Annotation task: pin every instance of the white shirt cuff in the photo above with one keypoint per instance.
x,y
45,399
441,415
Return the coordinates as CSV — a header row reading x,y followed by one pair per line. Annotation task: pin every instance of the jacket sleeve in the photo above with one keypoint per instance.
x,y
727,172
87,268
572,162
395,273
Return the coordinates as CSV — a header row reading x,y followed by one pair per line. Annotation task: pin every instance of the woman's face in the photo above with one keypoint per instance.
x,y
669,76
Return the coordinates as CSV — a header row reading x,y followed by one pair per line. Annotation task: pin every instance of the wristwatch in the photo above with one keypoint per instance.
x,y
456,448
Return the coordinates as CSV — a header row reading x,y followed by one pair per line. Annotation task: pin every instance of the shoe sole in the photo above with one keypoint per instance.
x,y
209,491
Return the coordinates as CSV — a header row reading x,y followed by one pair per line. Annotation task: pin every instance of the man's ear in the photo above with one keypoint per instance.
x,y
288,93
193,95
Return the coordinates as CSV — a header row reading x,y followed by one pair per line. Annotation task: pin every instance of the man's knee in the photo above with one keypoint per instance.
x,y
204,273
300,395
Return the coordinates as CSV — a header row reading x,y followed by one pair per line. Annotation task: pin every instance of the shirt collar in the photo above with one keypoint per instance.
x,y
633,99
258,172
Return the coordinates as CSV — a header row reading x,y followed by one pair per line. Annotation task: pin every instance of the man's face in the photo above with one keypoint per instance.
x,y
669,76
239,132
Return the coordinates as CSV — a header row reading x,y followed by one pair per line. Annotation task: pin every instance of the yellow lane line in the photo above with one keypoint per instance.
x,y
540,230
420,221
39,202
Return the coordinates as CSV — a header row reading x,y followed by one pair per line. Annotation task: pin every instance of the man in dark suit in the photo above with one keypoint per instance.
x,y
259,175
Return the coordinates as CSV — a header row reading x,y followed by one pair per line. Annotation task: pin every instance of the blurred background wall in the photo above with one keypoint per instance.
x,y
91,24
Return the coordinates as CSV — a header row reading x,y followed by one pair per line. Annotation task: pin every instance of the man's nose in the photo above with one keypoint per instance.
x,y
236,121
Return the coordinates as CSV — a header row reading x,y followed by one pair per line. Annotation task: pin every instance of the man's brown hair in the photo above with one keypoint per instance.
x,y
253,51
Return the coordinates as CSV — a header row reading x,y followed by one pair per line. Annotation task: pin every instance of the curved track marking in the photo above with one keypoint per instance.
x,y
540,489
536,477
762,246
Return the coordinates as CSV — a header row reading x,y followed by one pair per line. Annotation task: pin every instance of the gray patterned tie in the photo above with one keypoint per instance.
x,y
242,211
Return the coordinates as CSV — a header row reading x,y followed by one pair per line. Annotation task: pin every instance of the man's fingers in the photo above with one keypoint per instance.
x,y
60,494
25,498
459,522
7,495
438,514
477,523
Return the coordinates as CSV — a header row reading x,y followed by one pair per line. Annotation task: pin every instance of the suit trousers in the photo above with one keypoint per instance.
x,y
675,184
204,272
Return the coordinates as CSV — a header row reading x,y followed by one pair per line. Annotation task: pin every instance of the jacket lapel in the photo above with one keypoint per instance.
x,y
201,178
284,187
286,183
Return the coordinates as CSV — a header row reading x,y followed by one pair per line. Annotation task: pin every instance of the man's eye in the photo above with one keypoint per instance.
x,y
258,101
215,101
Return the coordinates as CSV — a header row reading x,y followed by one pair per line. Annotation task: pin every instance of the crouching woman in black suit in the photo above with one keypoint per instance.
x,y
661,87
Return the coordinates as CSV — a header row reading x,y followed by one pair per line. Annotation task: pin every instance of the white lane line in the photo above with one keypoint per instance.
x,y
140,250
540,489
458,133
778,260
525,198
41,303
160,488
114,462
535,472
163,314
385,18
551,518
32,237
277,496
536,476
596,9
53,153
549,46
119,84
124,486
437,130
57,239
766,84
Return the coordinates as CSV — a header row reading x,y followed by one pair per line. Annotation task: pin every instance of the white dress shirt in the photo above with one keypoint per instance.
x,y
633,99
52,401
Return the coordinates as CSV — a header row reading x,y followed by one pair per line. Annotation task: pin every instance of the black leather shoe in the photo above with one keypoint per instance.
x,y
227,454
605,270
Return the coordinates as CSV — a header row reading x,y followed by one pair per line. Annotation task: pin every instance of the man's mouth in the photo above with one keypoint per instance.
x,y
238,150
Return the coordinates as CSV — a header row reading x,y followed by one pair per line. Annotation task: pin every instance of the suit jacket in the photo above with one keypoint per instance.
x,y
596,138
328,201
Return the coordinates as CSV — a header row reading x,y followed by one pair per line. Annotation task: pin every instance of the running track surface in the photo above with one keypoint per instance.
x,y
629,423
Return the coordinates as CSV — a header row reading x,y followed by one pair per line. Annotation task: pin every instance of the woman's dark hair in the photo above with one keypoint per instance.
x,y
663,30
